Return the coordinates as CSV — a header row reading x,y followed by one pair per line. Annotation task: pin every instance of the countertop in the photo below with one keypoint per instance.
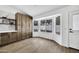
x,y
8,31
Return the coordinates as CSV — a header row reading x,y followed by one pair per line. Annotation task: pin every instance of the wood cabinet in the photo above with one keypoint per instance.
x,y
23,27
0,39
13,37
5,38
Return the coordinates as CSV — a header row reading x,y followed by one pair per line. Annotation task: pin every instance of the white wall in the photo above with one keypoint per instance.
x,y
4,27
9,12
48,35
65,17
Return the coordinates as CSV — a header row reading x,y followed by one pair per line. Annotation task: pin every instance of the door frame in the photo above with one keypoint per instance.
x,y
69,19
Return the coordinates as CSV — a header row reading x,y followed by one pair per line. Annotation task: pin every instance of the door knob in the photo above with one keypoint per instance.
x,y
70,30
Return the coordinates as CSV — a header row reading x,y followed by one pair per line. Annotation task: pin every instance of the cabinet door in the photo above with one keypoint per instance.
x,y
12,36
23,27
26,23
0,39
19,34
18,19
5,38
27,27
19,26
30,27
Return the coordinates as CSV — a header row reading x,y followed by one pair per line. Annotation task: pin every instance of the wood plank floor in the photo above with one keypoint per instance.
x,y
36,45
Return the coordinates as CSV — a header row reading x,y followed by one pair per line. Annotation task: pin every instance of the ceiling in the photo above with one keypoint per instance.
x,y
35,10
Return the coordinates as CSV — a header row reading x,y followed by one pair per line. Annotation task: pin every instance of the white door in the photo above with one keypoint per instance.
x,y
74,30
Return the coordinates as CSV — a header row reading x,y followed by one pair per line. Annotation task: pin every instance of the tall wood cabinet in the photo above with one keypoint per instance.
x,y
19,26
23,26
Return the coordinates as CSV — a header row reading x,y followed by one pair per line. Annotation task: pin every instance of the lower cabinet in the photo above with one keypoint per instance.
x,y
24,36
13,37
19,36
0,39
29,35
5,38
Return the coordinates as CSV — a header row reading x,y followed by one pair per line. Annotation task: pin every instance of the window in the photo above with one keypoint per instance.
x,y
43,22
43,25
35,30
35,26
49,25
35,23
58,20
57,28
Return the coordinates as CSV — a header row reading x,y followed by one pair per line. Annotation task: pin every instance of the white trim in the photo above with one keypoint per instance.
x,y
53,34
61,31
